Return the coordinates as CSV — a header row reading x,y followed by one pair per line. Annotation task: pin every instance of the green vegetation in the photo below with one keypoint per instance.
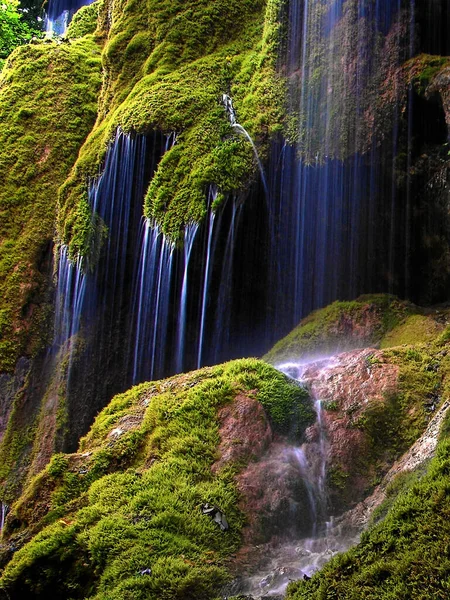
x,y
341,326
48,104
403,556
422,69
131,498
14,29
84,21
415,329
167,65
394,425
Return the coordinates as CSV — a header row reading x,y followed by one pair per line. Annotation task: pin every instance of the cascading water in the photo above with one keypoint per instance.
x,y
294,558
327,222
59,14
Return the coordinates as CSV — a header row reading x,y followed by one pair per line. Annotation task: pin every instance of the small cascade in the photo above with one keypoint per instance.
x,y
59,13
3,514
325,536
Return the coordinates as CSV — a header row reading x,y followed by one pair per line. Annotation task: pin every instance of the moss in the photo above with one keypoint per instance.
x,y
131,498
421,70
415,329
48,99
341,326
84,22
167,65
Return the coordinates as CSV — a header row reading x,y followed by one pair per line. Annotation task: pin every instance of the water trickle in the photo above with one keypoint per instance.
x,y
189,237
231,114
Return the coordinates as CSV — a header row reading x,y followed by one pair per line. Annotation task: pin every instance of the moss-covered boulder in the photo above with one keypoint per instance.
x,y
378,320
122,518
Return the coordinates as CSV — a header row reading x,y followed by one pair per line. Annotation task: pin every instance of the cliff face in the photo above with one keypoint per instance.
x,y
141,68
302,156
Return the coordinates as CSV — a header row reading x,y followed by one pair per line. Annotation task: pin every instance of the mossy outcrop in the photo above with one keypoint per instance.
x,y
91,523
378,320
167,66
48,104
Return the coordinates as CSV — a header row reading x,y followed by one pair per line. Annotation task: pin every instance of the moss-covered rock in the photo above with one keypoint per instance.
x,y
167,65
48,104
131,498
341,326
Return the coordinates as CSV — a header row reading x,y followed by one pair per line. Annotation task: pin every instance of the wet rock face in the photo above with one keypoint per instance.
x,y
274,496
347,385
351,379
245,432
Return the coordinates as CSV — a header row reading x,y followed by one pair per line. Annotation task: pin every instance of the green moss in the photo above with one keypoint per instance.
x,y
48,97
421,70
131,498
84,22
167,66
414,330
341,326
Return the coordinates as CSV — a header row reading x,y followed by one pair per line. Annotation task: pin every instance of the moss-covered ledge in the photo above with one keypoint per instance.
x,y
48,104
167,65
130,499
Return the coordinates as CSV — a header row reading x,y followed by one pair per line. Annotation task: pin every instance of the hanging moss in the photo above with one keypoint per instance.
x,y
167,65
48,96
131,498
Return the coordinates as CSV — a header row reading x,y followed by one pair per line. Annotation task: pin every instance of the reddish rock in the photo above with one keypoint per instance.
x,y
346,386
245,432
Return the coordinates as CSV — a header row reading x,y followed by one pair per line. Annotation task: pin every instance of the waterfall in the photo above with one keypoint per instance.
x,y
59,14
3,514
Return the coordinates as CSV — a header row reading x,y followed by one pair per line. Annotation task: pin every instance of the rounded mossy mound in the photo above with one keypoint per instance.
x,y
378,320
123,517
